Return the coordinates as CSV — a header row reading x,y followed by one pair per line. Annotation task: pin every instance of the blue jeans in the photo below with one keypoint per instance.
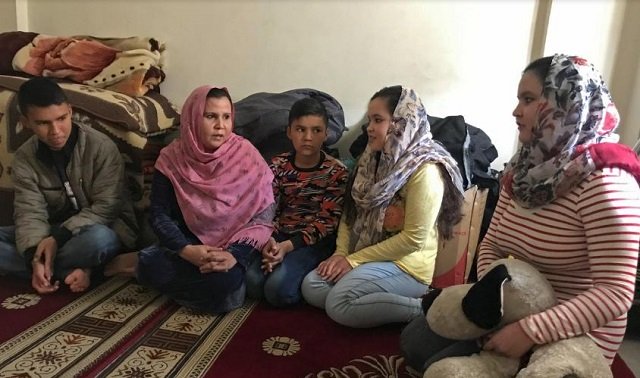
x,y
421,347
215,292
89,247
370,295
281,287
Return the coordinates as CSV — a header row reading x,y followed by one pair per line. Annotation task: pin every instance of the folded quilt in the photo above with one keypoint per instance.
x,y
144,115
131,65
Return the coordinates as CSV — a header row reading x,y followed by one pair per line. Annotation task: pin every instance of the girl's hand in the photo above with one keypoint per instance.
x,y
334,268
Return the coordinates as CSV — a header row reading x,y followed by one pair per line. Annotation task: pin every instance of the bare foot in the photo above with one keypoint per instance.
x,y
122,265
78,280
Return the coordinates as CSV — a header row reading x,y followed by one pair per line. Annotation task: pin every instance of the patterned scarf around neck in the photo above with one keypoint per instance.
x,y
218,192
577,112
406,148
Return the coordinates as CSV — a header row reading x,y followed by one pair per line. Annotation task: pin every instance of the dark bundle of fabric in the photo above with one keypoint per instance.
x,y
262,118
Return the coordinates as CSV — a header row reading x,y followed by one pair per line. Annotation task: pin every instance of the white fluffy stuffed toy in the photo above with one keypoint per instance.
x,y
509,291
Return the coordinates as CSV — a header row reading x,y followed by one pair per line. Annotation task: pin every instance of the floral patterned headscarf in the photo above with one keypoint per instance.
x,y
576,113
406,148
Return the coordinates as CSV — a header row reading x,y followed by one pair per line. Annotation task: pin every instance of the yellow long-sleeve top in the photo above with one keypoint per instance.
x,y
414,248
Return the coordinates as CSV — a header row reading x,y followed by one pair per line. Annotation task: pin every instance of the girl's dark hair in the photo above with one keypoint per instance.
x,y
391,95
350,211
219,93
540,67
451,207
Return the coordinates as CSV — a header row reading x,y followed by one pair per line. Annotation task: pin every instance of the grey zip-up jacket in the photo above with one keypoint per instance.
x,y
96,175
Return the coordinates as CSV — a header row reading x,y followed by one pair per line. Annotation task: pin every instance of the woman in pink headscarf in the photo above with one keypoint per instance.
x,y
211,206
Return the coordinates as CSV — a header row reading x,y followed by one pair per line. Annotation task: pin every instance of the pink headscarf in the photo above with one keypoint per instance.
x,y
219,192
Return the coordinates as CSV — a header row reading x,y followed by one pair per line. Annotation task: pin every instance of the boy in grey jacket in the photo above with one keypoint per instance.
x,y
71,212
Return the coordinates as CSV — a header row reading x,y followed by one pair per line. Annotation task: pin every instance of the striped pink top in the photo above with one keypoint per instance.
x,y
586,244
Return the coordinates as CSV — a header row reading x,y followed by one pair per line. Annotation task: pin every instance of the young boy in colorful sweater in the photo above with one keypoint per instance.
x,y
309,187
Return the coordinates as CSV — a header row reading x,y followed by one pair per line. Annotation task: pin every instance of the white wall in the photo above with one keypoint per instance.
x,y
625,85
607,33
631,132
461,56
588,28
7,15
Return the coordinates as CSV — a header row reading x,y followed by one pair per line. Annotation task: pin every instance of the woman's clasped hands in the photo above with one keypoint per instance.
x,y
208,259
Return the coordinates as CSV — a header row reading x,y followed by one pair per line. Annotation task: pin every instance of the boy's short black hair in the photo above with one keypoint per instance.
x,y
306,107
40,92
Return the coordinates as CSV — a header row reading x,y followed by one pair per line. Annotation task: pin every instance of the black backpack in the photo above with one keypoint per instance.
x,y
262,118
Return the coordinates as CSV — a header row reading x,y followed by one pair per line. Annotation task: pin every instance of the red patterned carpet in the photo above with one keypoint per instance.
x,y
21,307
71,340
124,330
120,329
304,342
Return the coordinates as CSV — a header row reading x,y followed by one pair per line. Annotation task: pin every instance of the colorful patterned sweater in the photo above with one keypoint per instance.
x,y
309,201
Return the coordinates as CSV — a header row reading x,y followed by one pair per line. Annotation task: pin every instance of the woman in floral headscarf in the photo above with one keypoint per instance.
x,y
406,191
570,206
211,206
